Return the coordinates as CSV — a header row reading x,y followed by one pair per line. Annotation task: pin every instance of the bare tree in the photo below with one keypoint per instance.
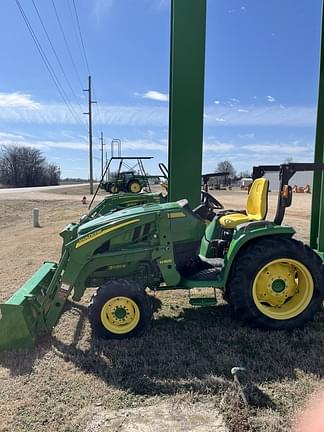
x,y
244,174
26,166
226,167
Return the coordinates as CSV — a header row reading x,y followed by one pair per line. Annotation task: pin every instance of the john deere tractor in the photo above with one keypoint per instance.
x,y
270,279
128,178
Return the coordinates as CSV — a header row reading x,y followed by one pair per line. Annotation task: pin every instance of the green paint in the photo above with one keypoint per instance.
x,y
317,214
245,235
203,301
278,285
186,99
121,201
21,318
120,313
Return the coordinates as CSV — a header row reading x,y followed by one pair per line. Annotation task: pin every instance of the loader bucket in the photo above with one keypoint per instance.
x,y
22,317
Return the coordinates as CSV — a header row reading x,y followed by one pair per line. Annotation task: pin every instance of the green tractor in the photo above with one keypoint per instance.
x,y
132,180
270,279
116,202
126,181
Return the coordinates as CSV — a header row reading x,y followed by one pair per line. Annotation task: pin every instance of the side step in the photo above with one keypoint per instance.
x,y
203,301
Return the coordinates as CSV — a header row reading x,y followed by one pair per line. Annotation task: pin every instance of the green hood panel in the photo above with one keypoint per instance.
x,y
126,214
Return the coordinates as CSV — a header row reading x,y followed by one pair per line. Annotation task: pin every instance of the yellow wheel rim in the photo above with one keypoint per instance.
x,y
114,189
135,187
120,315
283,289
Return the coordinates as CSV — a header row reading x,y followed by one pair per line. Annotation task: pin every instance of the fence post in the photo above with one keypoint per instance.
x,y
35,217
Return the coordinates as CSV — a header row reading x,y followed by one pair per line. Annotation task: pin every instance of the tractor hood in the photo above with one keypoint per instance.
x,y
128,213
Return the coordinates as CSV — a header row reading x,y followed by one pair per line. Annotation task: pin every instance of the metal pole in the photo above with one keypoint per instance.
x,y
89,113
107,172
317,214
102,153
188,34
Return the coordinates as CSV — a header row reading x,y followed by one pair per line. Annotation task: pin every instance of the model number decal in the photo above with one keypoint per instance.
x,y
166,261
117,266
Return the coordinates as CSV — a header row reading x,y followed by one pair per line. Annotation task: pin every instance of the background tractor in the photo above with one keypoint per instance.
x,y
132,180
125,181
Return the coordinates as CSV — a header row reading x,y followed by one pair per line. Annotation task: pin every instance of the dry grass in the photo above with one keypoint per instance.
x,y
72,382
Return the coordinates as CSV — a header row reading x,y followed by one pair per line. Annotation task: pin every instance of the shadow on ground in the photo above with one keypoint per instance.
x,y
193,351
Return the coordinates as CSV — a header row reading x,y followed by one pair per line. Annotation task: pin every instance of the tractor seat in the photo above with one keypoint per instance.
x,y
256,206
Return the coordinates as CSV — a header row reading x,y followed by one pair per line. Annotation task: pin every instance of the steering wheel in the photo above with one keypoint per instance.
x,y
210,202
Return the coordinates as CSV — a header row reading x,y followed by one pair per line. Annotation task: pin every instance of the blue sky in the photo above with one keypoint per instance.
x,y
262,66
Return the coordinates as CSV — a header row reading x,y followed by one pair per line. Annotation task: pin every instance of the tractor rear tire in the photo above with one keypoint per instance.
x,y
276,283
120,309
134,186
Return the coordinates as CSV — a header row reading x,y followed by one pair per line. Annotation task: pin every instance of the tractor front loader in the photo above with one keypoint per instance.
x,y
270,279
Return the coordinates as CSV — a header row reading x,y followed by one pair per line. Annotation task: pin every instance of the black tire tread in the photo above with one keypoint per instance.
x,y
119,287
131,182
239,280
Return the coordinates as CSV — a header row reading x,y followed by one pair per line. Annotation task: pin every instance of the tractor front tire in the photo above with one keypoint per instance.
x,y
134,186
276,283
113,189
120,309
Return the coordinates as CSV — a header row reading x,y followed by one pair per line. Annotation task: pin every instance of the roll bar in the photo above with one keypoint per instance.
x,y
286,172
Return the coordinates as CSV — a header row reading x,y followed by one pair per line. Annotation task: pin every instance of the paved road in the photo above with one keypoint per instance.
x,y
39,188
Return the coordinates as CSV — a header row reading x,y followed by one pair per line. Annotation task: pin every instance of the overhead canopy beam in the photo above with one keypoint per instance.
x,y
188,34
317,216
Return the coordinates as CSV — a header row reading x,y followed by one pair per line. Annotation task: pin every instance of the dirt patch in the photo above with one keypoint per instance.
x,y
162,417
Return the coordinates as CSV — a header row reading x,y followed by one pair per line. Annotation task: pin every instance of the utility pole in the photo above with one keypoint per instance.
x,y
89,113
107,172
102,153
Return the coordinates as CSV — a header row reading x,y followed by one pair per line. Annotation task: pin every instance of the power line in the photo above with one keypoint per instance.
x,y
45,60
56,56
83,50
66,44
81,38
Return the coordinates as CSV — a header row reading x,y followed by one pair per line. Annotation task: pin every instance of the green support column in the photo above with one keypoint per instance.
x,y
188,34
317,216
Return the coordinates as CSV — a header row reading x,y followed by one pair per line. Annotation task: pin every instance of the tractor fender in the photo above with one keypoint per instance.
x,y
246,234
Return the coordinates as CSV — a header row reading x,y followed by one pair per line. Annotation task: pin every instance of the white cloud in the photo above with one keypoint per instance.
x,y
216,102
18,100
218,147
145,145
101,8
159,4
271,99
296,116
155,95
24,110
280,148
247,136
76,143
